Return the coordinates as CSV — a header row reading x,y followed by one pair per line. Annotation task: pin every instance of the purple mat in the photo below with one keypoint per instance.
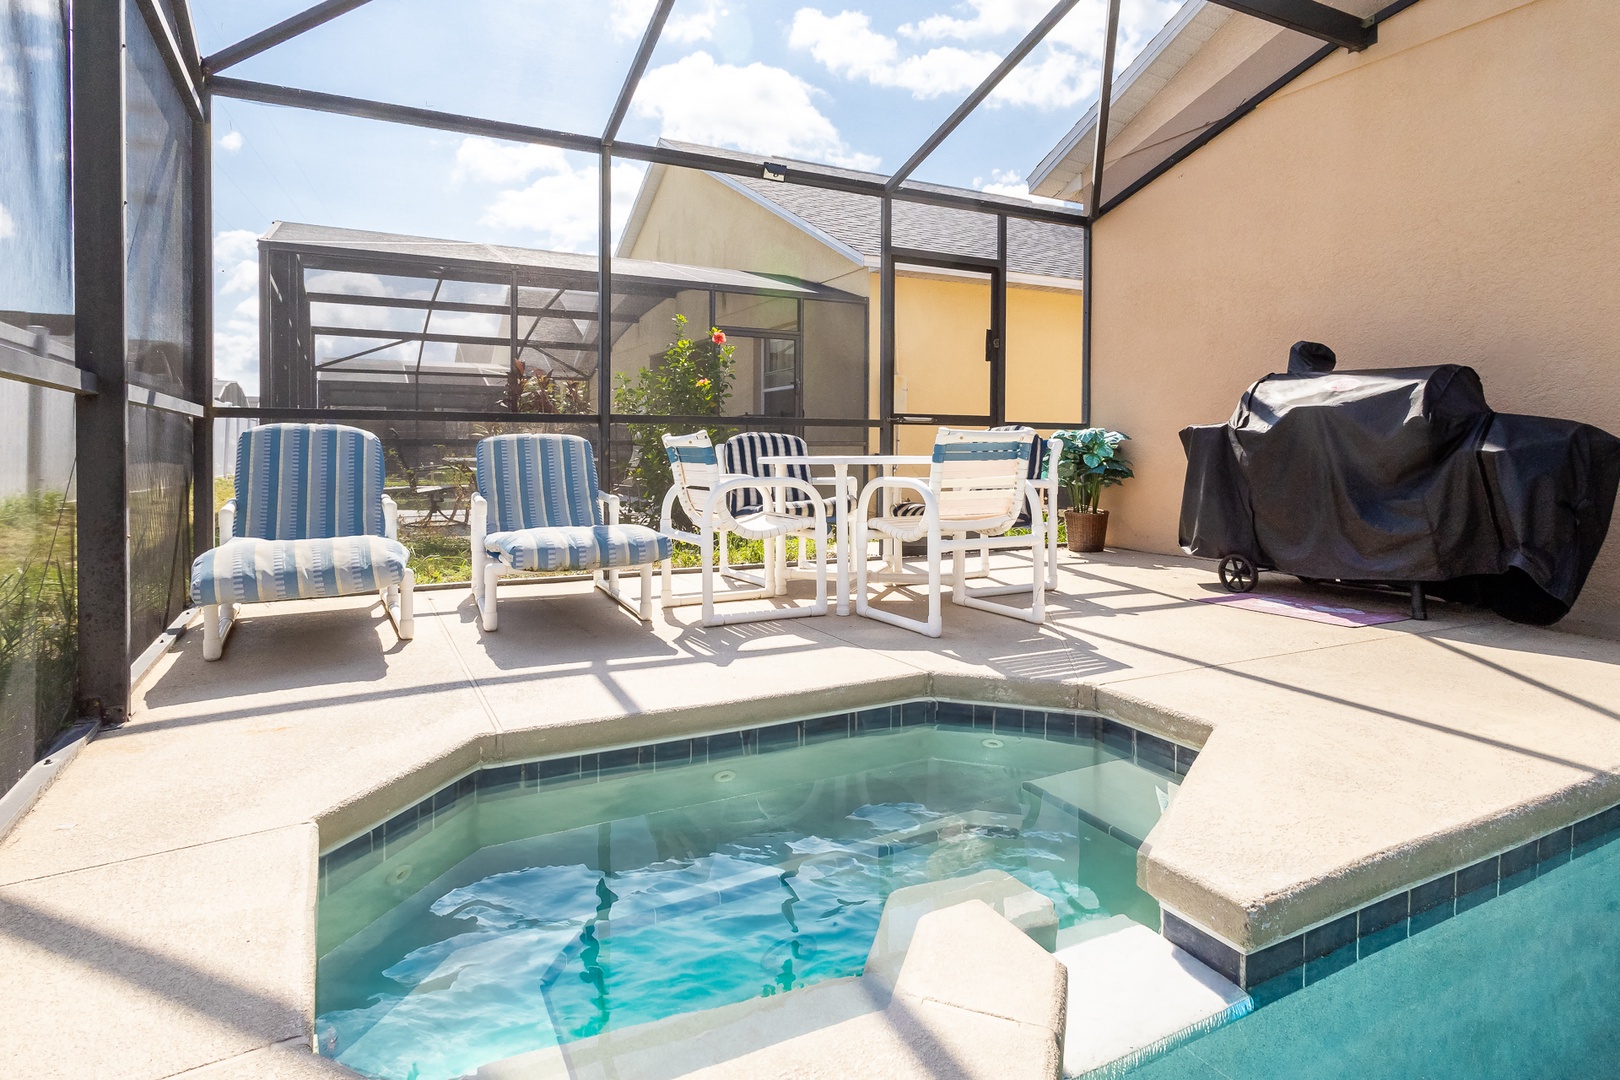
x,y
1310,610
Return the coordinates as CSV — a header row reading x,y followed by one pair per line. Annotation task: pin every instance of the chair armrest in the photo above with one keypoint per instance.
x,y
478,521
610,507
390,518
766,486
899,483
227,521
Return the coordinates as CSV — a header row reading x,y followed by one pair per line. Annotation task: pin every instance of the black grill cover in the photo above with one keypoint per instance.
x,y
1403,475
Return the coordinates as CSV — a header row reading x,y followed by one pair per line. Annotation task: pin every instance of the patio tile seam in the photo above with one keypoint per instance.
x,y
461,662
4,885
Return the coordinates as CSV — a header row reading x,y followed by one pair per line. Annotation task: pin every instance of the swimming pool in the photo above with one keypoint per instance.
x,y
536,904
1519,980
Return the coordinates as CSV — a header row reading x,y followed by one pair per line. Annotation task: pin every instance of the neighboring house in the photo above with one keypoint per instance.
x,y
1444,196
942,314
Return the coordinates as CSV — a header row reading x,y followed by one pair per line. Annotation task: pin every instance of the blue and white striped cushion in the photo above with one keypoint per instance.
x,y
589,547
538,482
249,570
308,481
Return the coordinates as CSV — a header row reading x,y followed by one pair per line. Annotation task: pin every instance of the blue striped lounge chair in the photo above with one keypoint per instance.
x,y
538,509
757,508
309,521
977,488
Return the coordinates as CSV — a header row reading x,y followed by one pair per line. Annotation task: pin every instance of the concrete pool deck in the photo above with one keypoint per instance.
x,y
157,905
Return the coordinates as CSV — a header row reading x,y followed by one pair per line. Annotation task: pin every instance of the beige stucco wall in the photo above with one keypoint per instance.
x,y
1446,196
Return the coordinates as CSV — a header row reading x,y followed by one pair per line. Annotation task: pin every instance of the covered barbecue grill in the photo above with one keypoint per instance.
x,y
1402,477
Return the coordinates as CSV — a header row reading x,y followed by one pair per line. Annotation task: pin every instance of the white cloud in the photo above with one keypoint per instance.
x,y
8,226
236,261
561,206
236,344
756,108
544,192
1059,79
687,24
232,141
990,18
1010,183
846,45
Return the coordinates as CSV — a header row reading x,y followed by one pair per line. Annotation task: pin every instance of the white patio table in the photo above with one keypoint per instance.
x,y
840,465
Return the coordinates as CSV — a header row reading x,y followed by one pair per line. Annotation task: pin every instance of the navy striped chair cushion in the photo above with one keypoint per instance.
x,y
739,456
308,481
249,570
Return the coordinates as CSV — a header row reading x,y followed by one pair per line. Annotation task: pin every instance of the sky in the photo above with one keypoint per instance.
x,y
857,86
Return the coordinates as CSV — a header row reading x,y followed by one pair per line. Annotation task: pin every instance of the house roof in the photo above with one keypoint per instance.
x,y
850,223
1204,65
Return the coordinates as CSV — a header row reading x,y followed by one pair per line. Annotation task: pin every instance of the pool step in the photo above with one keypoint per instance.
x,y
1133,995
1112,796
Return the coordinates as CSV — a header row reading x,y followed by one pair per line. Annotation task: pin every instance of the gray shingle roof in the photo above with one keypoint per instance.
x,y
1033,247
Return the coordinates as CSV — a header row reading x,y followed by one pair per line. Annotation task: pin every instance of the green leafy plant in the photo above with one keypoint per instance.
x,y
692,377
1090,462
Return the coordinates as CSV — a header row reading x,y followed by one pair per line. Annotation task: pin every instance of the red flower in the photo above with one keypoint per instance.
x,y
718,337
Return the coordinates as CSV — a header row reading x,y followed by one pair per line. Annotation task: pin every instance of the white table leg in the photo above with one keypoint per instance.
x,y
846,543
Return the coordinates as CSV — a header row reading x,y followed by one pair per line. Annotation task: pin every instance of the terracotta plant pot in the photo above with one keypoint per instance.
x,y
1086,531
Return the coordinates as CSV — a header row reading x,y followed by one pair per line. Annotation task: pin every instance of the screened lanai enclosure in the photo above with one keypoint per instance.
x,y
440,221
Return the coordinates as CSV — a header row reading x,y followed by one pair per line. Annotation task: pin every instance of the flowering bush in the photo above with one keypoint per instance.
x,y
535,391
690,378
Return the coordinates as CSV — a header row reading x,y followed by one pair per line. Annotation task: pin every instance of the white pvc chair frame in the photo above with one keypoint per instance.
x,y
955,537
715,520
398,600
487,569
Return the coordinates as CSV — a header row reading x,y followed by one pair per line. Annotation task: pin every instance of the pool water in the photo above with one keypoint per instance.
x,y
539,915
1525,986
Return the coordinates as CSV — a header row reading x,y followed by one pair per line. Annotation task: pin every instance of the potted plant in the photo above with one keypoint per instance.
x,y
1090,462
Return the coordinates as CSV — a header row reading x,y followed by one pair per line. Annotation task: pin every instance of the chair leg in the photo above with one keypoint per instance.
x,y
490,617
406,626
706,553
936,623
215,628
646,611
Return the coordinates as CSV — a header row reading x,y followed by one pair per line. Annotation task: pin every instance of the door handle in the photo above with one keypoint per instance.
x,y
992,346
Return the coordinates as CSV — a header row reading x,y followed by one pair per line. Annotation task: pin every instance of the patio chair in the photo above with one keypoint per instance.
x,y
741,455
718,504
1043,458
977,484
538,509
309,521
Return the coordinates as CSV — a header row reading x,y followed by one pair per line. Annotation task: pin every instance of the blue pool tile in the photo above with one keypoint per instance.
x,y
731,745
916,712
779,737
1185,759
1518,866
668,755
1222,958
999,719
1157,752
1032,724
954,715
404,827
874,721
1476,884
1595,831
558,771
610,763
1554,849
1385,913
1433,903
349,853
1061,726
501,780
1383,938
1275,961
1330,937
1117,737
1278,988
1332,963
824,728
